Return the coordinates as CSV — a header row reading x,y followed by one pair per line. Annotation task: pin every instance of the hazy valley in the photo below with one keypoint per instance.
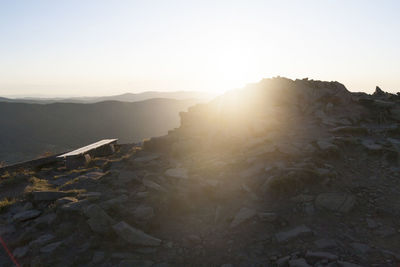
x,y
30,130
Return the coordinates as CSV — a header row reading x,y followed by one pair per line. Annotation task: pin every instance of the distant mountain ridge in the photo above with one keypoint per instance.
x,y
127,97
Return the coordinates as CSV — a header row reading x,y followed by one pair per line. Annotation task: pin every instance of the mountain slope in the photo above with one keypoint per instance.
x,y
30,129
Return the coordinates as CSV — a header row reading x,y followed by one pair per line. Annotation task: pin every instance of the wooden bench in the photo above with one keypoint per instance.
x,y
82,155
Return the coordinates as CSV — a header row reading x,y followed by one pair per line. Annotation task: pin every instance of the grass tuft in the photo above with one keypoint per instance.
x,y
38,185
5,203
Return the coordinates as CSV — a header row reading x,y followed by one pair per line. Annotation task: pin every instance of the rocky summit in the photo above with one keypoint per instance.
x,y
280,173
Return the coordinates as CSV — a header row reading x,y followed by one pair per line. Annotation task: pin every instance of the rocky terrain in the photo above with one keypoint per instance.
x,y
281,173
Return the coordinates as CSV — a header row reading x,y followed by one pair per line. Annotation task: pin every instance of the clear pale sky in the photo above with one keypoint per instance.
x,y
82,47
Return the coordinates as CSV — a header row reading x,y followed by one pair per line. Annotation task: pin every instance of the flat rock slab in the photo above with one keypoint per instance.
x,y
177,173
242,216
135,236
299,263
49,195
42,240
337,202
26,215
299,231
75,206
320,255
350,130
50,247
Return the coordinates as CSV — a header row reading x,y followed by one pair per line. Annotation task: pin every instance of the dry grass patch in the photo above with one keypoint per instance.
x,y
14,178
5,203
38,185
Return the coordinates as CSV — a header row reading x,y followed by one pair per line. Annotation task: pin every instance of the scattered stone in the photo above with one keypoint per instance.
x,y
351,130
26,215
153,185
65,200
139,195
253,170
143,213
125,177
326,145
99,221
7,229
319,255
371,223
134,263
302,198
193,240
242,216
337,202
309,209
135,236
298,263
20,252
347,264
27,206
283,262
75,206
371,145
360,247
42,240
146,250
91,196
267,216
146,159
45,220
298,232
98,256
114,203
385,231
325,243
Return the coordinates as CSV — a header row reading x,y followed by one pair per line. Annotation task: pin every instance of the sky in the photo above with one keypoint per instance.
x,y
97,47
